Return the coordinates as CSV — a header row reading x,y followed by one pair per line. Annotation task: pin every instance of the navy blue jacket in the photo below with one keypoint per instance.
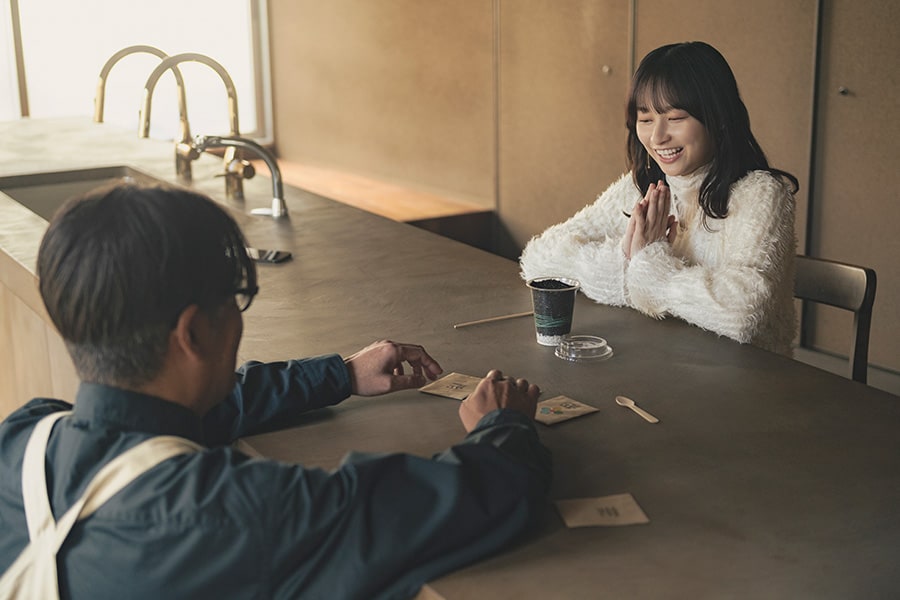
x,y
221,524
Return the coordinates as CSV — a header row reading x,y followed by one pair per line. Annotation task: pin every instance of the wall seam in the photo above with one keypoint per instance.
x,y
814,125
495,58
632,35
806,316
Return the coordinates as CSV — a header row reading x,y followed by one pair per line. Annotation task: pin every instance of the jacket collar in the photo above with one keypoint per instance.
x,y
108,407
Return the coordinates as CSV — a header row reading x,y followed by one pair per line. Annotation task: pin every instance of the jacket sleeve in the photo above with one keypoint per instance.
x,y
587,247
380,526
748,262
269,393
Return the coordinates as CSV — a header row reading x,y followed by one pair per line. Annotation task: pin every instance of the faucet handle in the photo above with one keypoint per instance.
x,y
187,150
240,168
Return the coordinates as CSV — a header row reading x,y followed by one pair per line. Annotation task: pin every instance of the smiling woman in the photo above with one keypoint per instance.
x,y
708,232
57,49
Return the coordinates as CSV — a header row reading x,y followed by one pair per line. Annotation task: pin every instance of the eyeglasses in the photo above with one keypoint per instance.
x,y
243,297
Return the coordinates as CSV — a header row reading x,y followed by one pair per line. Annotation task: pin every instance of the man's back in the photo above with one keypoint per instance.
x,y
221,524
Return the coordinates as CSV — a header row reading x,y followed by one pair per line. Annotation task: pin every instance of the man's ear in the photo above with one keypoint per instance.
x,y
187,339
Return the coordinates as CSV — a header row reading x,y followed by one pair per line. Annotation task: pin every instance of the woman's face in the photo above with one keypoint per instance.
x,y
678,142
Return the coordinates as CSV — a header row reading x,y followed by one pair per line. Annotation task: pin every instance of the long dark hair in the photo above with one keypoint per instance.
x,y
695,77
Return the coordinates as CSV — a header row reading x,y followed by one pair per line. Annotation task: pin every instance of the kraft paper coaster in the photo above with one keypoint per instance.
x,y
605,511
561,408
452,385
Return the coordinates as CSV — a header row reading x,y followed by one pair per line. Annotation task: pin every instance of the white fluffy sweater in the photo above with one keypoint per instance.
x,y
735,279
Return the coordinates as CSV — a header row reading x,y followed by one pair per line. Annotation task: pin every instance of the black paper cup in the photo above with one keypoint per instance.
x,y
553,299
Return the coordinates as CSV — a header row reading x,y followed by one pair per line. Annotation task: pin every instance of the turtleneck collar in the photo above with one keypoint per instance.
x,y
686,190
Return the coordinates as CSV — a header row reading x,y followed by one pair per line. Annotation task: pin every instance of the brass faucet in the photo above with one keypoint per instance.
x,y
236,169
279,209
182,164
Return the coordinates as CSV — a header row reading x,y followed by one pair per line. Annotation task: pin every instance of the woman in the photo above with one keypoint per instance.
x,y
707,233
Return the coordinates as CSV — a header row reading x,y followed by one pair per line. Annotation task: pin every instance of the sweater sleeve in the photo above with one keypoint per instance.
x,y
587,247
746,264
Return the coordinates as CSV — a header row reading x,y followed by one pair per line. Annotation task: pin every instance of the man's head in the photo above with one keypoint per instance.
x,y
119,266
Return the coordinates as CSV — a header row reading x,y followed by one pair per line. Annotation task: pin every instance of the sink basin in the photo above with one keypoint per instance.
x,y
43,193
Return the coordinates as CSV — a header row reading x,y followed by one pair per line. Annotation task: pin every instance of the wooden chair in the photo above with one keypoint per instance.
x,y
845,286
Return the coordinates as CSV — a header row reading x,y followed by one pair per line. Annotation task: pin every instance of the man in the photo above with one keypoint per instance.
x,y
146,287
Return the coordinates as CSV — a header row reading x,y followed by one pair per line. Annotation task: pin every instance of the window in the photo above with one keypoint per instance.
x,y
65,44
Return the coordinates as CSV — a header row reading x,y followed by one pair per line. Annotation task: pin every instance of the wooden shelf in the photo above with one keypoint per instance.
x,y
386,199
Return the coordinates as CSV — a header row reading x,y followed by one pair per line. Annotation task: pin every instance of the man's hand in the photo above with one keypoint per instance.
x,y
496,391
378,368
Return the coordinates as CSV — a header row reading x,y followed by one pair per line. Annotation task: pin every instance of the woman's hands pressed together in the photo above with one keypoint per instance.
x,y
650,220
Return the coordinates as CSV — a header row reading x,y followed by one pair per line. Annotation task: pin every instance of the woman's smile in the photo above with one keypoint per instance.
x,y
677,141
668,155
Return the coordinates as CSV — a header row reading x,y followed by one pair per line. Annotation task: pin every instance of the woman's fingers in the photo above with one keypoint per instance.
x,y
672,229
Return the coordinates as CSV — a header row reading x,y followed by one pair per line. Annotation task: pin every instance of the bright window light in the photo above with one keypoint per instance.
x,y
65,44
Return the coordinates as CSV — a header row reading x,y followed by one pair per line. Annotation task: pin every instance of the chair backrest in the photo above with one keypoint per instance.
x,y
845,286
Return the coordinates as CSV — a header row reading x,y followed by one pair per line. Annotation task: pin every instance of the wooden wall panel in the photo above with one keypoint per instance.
x,y
9,398
400,90
855,212
30,367
37,365
563,72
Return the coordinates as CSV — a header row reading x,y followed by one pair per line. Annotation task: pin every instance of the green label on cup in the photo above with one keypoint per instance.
x,y
552,323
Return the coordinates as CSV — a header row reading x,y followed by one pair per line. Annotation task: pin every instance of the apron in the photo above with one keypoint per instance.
x,y
33,574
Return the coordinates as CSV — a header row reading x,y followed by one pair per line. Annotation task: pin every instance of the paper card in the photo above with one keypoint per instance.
x,y
560,408
605,511
428,593
453,385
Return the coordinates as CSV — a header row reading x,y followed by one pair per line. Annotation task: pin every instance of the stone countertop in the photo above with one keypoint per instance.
x,y
48,145
355,277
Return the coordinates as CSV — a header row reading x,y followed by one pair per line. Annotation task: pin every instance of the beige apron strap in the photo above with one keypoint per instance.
x,y
127,467
38,514
33,574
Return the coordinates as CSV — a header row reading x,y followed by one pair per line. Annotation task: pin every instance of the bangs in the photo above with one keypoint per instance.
x,y
662,87
661,93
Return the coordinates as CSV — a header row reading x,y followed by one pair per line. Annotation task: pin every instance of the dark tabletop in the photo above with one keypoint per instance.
x,y
765,478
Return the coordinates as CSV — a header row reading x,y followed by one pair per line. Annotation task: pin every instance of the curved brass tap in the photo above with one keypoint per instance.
x,y
182,161
171,62
235,169
100,95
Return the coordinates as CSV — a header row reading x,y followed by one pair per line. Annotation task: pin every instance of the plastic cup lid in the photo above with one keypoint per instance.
x,y
583,348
